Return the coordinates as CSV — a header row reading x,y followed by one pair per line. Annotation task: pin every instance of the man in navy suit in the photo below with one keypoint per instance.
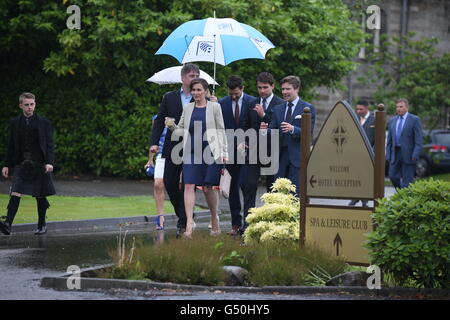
x,y
367,122
260,110
172,106
286,117
234,109
404,144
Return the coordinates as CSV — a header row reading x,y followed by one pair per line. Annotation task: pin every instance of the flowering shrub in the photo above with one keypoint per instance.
x,y
277,219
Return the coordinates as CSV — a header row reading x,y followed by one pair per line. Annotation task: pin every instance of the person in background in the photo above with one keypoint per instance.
x,y
366,119
29,159
286,117
260,110
158,184
404,144
172,106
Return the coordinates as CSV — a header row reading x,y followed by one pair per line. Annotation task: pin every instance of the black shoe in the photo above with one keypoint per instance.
x,y
353,202
180,232
5,228
41,230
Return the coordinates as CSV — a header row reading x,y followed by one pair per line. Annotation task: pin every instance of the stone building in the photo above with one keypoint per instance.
x,y
427,18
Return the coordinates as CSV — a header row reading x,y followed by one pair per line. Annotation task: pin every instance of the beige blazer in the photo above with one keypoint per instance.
x,y
215,129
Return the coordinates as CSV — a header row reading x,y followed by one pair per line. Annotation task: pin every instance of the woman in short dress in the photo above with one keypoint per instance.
x,y
204,152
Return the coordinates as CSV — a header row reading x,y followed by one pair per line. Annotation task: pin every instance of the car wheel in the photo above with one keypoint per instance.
x,y
422,168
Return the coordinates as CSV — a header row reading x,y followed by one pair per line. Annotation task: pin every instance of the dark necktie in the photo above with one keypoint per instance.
x,y
236,113
264,104
399,131
289,113
27,120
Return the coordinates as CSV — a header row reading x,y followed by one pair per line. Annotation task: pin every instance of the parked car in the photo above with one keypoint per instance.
x,y
435,155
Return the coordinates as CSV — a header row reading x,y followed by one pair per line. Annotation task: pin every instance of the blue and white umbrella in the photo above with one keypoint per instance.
x,y
215,40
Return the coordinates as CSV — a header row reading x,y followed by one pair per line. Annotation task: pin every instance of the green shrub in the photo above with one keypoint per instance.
x,y
412,241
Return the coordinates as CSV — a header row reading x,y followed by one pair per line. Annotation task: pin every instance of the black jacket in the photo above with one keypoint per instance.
x,y
170,107
13,156
369,129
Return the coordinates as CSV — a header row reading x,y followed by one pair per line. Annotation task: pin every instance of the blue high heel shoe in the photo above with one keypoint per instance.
x,y
159,226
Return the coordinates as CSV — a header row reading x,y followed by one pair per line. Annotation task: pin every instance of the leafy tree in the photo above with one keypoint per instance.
x,y
91,82
420,74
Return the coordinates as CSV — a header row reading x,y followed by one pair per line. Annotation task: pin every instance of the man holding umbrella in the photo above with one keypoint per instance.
x,y
172,107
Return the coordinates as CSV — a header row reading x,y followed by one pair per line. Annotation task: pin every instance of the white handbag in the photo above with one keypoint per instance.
x,y
225,182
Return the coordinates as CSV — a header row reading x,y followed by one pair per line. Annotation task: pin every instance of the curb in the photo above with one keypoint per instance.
x,y
96,223
60,283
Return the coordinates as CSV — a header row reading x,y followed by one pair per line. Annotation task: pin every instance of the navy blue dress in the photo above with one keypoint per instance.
x,y
197,171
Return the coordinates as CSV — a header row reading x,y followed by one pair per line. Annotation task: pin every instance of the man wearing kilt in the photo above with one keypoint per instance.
x,y
29,160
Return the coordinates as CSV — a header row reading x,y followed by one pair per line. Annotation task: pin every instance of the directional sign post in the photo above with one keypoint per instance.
x,y
340,230
341,165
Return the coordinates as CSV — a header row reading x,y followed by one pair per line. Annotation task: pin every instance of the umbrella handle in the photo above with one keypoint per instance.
x,y
214,83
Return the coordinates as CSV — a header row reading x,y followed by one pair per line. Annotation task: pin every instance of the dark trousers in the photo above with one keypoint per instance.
x,y
234,200
287,170
401,173
171,179
250,179
269,182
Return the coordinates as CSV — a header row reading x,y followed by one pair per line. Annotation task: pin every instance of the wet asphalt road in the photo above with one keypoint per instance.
x,y
25,258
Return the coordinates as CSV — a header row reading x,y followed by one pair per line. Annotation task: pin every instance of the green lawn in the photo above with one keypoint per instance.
x,y
81,208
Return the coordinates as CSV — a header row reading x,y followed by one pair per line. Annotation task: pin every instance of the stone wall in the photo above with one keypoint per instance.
x,y
427,18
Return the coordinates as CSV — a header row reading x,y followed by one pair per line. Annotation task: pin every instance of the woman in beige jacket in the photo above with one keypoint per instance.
x,y
204,152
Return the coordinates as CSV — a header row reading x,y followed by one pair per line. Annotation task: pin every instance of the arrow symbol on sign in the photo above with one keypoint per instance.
x,y
337,242
312,180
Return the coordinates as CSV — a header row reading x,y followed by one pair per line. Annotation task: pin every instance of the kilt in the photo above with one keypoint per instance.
x,y
33,182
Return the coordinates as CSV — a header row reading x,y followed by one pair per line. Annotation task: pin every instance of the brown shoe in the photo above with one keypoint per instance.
x,y
235,231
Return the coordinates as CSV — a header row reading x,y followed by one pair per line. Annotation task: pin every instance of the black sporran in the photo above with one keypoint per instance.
x,y
28,170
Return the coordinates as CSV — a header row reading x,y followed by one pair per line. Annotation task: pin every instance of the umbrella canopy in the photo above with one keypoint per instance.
x,y
215,40
173,75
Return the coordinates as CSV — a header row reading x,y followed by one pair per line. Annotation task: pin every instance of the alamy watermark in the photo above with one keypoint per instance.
x,y
243,147
74,20
74,281
373,22
374,281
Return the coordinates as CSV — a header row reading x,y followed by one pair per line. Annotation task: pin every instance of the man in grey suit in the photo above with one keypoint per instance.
x,y
404,143
367,121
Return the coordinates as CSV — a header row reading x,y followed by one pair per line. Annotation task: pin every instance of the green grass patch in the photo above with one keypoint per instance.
x,y
82,208
200,260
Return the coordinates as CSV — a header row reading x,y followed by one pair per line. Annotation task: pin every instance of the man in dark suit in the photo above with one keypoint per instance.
x,y
29,159
172,106
404,144
234,109
260,110
367,121
286,117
